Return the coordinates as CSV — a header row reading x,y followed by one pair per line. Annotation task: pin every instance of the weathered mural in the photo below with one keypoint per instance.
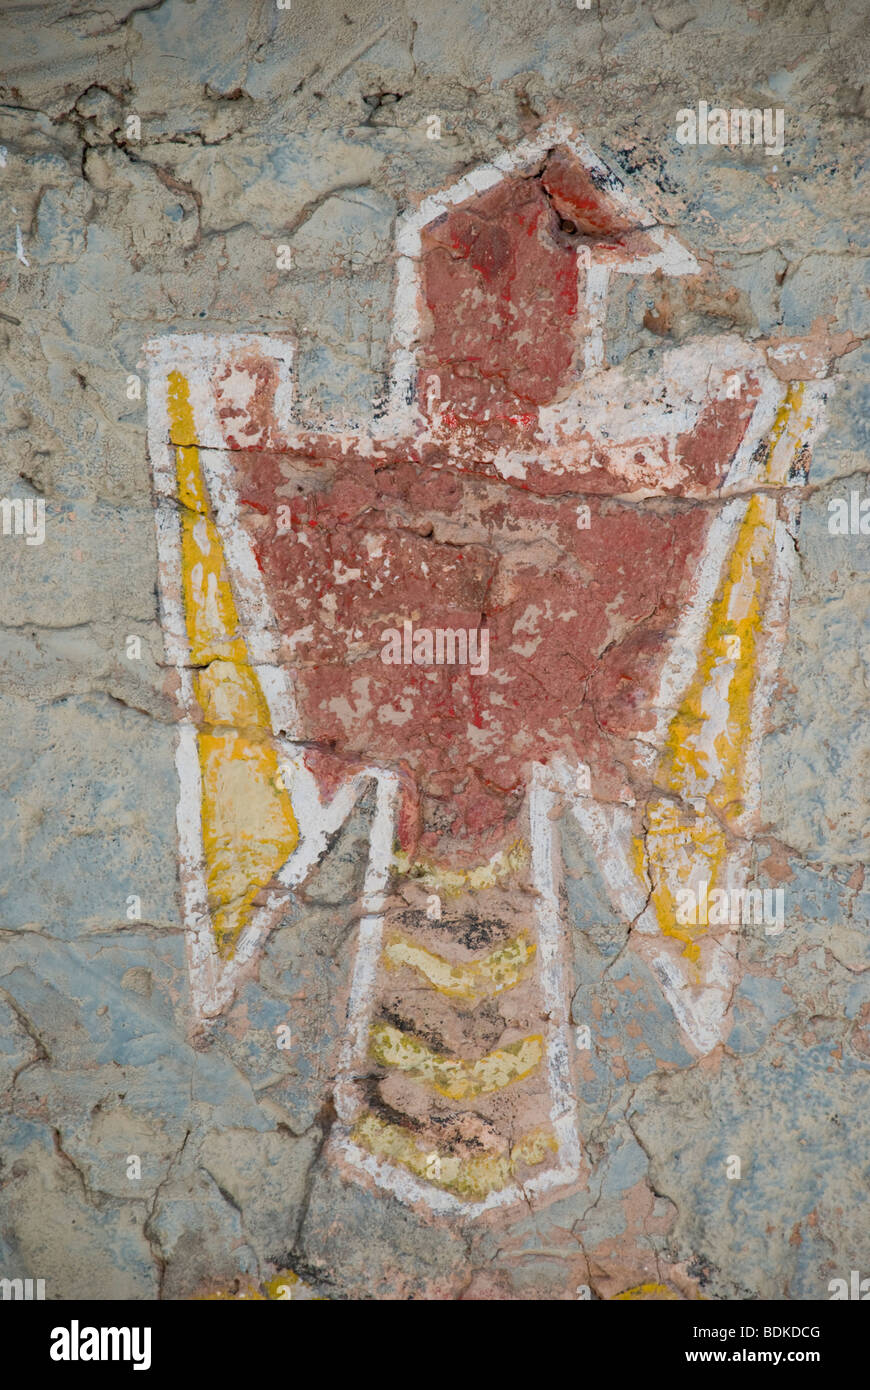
x,y
434,521
529,588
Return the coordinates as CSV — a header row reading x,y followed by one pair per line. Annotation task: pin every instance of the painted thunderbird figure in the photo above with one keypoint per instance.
x,y
617,545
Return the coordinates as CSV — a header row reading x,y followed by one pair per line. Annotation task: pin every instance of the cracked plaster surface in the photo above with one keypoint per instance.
x,y
308,128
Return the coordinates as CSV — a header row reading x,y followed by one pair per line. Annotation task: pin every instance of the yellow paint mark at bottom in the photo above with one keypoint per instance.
x,y
469,1178
642,1293
285,1287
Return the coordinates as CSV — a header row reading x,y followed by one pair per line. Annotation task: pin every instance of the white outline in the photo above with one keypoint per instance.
x,y
587,409
671,257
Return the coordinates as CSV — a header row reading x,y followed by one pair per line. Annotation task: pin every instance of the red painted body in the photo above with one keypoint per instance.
x,y
352,539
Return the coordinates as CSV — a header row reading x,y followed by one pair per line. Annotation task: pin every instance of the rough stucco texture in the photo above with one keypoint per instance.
x,y
311,129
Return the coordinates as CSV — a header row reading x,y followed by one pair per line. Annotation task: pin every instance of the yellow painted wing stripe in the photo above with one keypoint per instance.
x,y
248,826
697,765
